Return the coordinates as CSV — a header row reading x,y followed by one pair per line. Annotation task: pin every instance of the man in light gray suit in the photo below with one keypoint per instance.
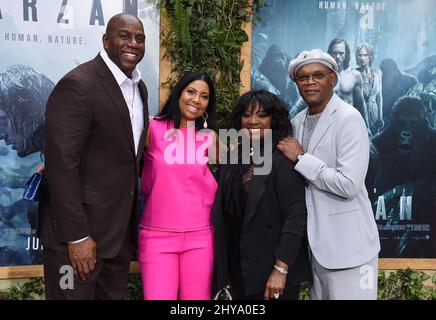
x,y
331,151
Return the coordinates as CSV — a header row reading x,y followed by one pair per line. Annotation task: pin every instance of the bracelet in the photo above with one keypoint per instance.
x,y
281,270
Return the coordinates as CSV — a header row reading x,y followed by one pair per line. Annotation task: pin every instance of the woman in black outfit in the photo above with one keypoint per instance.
x,y
260,219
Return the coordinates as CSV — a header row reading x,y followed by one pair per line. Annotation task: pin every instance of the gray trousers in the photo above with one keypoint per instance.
x,y
357,283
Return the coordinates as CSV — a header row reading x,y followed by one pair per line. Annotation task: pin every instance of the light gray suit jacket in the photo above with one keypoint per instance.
x,y
341,228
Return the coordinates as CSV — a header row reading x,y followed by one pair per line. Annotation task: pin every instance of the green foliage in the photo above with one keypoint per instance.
x,y
182,17
304,292
405,285
30,290
207,36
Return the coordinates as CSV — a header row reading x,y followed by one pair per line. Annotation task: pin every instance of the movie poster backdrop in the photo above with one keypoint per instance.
x,y
386,51
40,41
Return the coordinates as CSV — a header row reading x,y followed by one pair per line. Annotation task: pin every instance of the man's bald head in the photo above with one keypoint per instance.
x,y
124,41
120,17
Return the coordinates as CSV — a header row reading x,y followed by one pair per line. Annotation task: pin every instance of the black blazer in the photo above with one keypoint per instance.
x,y
90,161
274,226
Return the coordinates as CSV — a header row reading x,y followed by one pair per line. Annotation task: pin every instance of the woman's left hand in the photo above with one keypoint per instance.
x,y
274,285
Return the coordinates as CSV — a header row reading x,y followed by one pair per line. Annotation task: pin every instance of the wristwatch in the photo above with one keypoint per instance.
x,y
299,157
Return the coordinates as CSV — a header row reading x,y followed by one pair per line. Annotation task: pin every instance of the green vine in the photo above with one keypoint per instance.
x,y
207,36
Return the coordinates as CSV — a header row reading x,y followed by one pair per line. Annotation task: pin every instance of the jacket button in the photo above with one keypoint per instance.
x,y
131,193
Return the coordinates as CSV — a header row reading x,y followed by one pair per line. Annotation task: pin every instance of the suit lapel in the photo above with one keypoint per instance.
x,y
114,92
299,126
255,193
324,123
144,98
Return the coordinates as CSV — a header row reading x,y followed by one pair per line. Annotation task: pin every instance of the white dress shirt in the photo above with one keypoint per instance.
x,y
130,90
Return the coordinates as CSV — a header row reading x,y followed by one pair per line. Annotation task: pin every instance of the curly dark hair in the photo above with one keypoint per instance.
x,y
271,104
281,128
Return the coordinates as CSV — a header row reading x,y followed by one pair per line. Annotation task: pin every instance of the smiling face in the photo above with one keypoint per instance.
x,y
193,101
124,42
316,92
256,120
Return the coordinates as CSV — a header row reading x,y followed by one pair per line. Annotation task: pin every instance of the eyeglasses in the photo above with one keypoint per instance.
x,y
317,75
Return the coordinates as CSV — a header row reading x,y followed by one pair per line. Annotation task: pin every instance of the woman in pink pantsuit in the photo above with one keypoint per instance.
x,y
175,245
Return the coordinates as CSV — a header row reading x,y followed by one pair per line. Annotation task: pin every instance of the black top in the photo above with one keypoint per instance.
x,y
272,225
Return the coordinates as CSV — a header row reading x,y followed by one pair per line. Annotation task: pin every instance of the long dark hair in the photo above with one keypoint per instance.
x,y
171,110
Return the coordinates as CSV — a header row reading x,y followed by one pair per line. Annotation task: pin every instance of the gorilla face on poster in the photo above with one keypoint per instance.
x,y
405,183
406,147
23,96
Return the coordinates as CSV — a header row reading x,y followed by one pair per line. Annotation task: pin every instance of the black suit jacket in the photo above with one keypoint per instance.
x,y
274,226
90,162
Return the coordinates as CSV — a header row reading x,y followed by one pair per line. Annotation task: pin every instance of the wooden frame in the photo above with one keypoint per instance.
x,y
21,272
18,272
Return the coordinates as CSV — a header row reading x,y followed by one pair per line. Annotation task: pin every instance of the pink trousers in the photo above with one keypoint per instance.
x,y
176,265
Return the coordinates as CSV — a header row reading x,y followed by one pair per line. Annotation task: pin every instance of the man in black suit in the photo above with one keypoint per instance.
x,y
96,119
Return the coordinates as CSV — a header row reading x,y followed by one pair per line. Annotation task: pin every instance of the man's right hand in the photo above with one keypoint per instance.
x,y
83,257
290,147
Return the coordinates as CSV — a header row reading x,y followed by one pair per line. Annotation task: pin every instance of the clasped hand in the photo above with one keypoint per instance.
x,y
275,284
83,257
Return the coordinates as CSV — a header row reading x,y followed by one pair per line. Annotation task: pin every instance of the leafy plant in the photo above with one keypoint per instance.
x,y
207,36
304,292
30,290
405,285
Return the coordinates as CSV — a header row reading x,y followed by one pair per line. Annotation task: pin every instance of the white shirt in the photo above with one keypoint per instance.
x,y
130,90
